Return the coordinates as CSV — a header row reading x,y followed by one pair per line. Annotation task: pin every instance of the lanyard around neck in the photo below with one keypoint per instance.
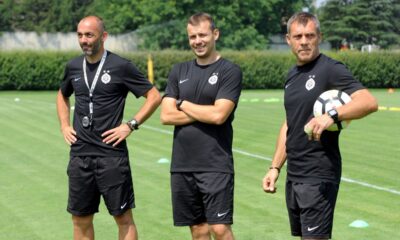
x,y
96,77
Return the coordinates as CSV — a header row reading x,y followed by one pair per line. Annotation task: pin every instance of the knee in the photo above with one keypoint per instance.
x,y
222,231
125,219
82,222
200,231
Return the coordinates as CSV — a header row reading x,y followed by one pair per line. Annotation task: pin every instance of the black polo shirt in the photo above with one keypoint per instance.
x,y
117,77
202,147
313,161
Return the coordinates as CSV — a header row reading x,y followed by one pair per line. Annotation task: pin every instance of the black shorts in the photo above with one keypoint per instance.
x,y
91,177
311,208
202,197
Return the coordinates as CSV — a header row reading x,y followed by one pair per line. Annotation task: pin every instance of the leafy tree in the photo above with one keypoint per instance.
x,y
361,22
5,16
243,24
41,15
160,24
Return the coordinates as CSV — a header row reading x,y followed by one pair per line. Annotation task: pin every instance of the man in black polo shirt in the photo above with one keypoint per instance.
x,y
99,163
200,100
313,160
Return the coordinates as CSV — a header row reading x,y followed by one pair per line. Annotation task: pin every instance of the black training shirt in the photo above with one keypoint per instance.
x,y
117,77
313,161
202,147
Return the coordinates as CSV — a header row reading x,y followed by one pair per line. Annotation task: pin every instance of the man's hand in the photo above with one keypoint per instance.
x,y
69,134
317,125
269,181
116,135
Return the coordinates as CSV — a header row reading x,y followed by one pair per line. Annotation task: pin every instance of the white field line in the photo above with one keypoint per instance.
x,y
344,179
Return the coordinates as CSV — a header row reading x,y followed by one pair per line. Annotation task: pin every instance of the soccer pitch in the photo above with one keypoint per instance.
x,y
34,158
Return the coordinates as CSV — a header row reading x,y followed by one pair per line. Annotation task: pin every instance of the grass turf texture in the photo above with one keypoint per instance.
x,y
34,158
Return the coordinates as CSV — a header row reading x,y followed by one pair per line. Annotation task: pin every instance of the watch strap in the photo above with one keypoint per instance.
x,y
178,104
334,115
133,124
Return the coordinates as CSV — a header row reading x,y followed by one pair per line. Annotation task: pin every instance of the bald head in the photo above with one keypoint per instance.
x,y
93,21
91,36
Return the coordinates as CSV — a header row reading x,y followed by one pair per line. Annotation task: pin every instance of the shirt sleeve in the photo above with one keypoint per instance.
x,y
66,84
172,89
231,84
135,81
343,79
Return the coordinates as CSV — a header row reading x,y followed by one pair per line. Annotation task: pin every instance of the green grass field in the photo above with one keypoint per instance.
x,y
34,157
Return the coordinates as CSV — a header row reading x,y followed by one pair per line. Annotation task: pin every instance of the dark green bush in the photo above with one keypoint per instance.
x,y
261,69
374,70
32,70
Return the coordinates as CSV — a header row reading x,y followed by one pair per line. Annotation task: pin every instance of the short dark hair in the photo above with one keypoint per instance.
x,y
199,17
303,18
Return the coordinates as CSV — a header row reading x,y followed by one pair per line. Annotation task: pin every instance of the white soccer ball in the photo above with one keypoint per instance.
x,y
328,100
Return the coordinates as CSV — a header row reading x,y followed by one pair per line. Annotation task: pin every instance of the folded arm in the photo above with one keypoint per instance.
x,y
362,103
211,114
170,115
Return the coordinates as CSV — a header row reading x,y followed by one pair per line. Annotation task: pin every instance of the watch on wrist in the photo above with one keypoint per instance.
x,y
178,104
334,115
133,124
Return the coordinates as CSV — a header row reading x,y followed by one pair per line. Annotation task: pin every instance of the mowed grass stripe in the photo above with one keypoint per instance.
x,y
35,136
355,203
152,188
28,184
345,179
257,215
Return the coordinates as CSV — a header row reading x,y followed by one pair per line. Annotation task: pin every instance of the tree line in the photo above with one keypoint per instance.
x,y
161,24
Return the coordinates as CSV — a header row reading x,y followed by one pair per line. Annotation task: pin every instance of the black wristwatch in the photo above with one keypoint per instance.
x,y
133,124
178,104
334,115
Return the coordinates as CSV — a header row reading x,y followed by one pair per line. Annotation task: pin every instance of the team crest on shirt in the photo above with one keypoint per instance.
x,y
213,79
106,77
310,84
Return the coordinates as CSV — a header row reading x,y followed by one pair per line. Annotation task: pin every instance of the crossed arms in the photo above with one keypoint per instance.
x,y
190,112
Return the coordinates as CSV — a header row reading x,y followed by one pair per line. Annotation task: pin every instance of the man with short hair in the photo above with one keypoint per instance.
x,y
99,163
200,100
313,158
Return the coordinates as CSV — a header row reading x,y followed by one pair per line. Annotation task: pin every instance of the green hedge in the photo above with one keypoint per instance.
x,y
261,69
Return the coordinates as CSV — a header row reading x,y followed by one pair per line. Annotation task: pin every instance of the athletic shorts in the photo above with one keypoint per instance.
x,y
92,177
202,197
311,208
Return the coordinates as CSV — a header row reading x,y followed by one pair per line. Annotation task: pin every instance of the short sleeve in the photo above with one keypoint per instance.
x,y
66,84
172,89
231,84
343,79
135,81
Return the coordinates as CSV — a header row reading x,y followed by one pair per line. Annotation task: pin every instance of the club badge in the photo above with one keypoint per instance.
x,y
106,77
310,84
213,79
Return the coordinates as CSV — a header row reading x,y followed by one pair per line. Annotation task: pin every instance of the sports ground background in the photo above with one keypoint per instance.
x,y
34,158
